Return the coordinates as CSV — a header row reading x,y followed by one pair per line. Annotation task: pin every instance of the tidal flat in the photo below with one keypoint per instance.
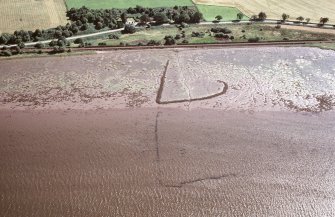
x,y
175,132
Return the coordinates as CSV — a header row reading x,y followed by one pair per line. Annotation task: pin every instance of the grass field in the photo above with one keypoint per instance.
x,y
31,14
313,9
107,4
241,32
227,13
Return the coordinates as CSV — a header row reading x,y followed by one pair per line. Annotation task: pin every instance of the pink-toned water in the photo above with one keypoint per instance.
x,y
166,162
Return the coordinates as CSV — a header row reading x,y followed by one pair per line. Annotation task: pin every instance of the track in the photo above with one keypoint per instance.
x,y
212,45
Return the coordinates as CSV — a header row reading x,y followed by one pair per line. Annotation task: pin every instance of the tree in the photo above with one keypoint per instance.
x,y
99,25
308,20
324,20
3,39
129,29
240,16
160,18
285,17
144,18
218,17
37,33
262,16
124,17
300,18
196,17
184,17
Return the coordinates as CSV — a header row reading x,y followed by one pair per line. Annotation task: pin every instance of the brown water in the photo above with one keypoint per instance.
x,y
166,162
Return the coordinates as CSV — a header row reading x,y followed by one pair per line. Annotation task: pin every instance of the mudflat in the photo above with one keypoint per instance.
x,y
211,132
166,162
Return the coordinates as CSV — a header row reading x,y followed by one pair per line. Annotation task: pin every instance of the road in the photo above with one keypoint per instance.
x,y
291,23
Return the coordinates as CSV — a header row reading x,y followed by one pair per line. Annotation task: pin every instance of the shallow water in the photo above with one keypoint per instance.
x,y
166,162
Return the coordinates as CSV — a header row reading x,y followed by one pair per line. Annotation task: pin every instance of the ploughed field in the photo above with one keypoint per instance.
x,y
173,132
108,4
312,9
31,14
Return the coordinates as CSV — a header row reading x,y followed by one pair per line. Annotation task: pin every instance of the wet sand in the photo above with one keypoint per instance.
x,y
210,132
166,162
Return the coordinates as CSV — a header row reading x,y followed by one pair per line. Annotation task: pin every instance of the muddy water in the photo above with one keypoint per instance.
x,y
166,162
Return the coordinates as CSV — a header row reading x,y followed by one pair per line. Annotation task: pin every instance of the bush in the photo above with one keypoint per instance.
x,y
160,18
79,41
185,42
222,30
39,45
177,37
153,43
221,35
102,44
130,29
53,43
253,40
198,34
7,53
114,36
169,40
278,26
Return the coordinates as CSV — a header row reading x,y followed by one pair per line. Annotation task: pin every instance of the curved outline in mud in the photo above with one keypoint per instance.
x,y
162,83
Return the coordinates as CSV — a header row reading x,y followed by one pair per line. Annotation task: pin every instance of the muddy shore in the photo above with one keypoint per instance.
x,y
166,162
169,133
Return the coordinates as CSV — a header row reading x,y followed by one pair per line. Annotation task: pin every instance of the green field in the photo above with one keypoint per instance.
x,y
227,13
241,33
107,4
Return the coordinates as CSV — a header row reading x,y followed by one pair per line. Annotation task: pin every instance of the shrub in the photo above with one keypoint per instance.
x,y
221,35
185,42
177,37
79,41
160,18
114,36
129,29
153,43
278,26
254,39
7,53
39,45
222,30
198,34
102,44
169,40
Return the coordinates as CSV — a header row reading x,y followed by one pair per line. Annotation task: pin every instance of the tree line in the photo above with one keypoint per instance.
x,y
85,20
